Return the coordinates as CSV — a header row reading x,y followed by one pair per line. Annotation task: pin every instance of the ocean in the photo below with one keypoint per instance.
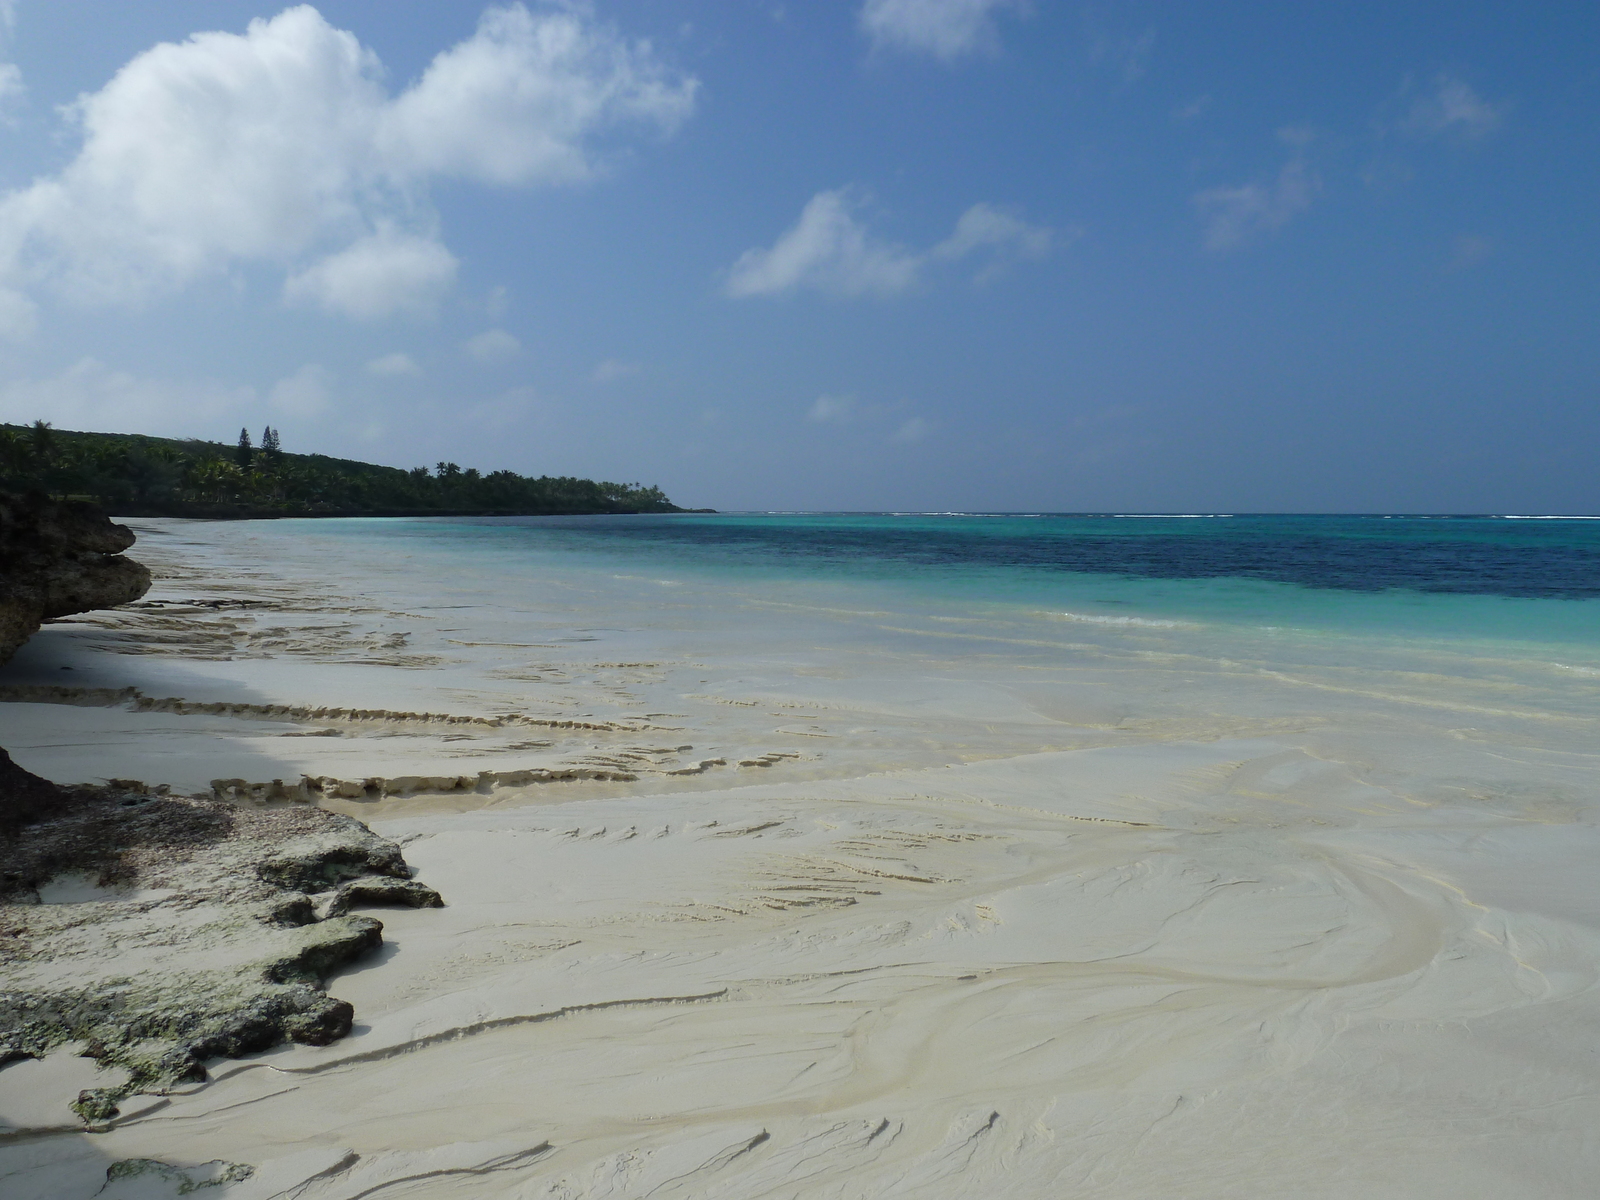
x,y
1511,589
1375,574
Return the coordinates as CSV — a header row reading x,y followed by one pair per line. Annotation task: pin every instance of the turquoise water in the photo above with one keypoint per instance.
x,y
1504,585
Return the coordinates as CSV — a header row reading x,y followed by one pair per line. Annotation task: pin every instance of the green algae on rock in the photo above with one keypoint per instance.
x,y
160,932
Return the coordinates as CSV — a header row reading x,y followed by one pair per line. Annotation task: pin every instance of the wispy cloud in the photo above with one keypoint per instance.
x,y
611,370
394,366
91,395
1468,251
1452,109
492,346
946,29
1008,238
308,392
913,429
1128,56
832,250
832,410
828,249
12,89
1237,216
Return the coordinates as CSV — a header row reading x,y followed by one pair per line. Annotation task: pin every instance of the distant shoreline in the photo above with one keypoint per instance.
x,y
200,512
143,476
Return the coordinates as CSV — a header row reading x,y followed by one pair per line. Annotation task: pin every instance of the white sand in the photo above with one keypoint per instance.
x,y
996,908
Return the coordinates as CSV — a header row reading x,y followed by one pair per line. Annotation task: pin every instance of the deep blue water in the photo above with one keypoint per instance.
x,y
1486,556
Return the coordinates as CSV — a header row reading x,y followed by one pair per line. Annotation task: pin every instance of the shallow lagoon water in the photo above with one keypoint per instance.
x,y
1379,575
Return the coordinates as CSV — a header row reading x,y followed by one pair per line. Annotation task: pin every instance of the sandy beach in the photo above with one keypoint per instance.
x,y
770,892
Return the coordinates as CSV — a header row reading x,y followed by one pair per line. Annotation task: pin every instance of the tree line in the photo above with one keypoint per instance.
x,y
136,475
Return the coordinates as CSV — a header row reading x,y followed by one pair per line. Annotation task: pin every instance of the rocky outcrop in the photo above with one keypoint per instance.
x,y
59,557
25,798
158,932
408,893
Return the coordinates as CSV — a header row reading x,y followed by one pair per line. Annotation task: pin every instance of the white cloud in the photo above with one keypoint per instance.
x,y
611,370
946,29
12,90
832,410
377,276
1236,215
831,250
282,147
518,100
1452,109
985,227
90,395
394,366
306,393
913,429
493,346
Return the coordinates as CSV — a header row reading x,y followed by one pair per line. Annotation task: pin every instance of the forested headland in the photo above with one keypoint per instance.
x,y
138,476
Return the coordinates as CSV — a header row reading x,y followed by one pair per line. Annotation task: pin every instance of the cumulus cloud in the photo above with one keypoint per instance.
x,y
394,366
946,29
1452,109
521,98
91,395
1235,216
493,346
830,249
282,146
385,273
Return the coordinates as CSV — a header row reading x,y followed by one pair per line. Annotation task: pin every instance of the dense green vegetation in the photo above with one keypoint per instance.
x,y
134,475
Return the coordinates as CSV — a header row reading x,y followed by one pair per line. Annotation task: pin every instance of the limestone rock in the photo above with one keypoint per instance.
x,y
59,557
189,934
404,892
342,849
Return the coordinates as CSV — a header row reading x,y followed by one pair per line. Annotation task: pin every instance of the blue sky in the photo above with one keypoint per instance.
x,y
904,254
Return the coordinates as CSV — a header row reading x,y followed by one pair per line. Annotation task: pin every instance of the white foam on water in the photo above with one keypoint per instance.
x,y
1131,622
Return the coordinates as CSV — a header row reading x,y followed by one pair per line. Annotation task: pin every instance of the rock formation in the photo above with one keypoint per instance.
x,y
157,932
59,557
